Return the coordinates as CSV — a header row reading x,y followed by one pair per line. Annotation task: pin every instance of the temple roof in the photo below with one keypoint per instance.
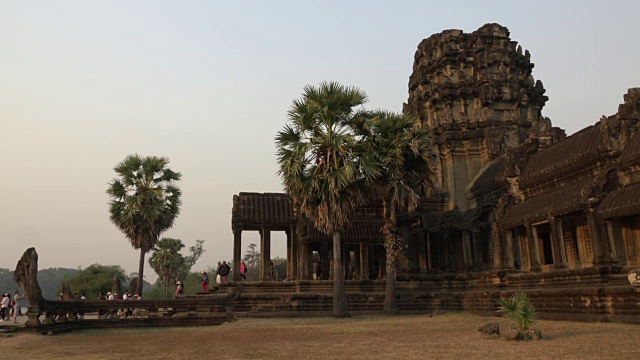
x,y
274,211
621,202
562,201
253,210
490,179
358,230
563,157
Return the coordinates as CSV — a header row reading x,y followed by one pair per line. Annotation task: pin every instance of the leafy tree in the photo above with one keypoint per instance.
x,y
324,166
144,201
96,278
195,252
167,261
519,308
281,268
408,170
252,261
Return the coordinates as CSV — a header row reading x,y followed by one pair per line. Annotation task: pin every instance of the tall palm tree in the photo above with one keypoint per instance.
x,y
408,171
144,202
324,166
167,261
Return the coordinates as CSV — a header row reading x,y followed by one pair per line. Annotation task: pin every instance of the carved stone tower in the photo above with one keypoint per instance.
x,y
477,94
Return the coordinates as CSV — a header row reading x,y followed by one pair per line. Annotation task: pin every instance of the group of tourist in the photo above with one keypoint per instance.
x,y
122,313
11,307
223,270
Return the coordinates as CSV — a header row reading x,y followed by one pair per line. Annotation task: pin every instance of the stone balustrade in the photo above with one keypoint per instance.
x,y
52,316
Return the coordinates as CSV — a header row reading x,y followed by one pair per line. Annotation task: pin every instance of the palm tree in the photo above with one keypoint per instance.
x,y
408,171
167,261
144,202
324,166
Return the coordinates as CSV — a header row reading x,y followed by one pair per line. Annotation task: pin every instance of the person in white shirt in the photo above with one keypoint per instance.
x,y
4,307
17,307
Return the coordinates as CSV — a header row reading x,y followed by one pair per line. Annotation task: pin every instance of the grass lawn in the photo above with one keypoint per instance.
x,y
449,336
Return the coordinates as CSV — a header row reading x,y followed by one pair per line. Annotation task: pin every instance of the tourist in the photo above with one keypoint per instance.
x,y
224,271
17,307
205,281
110,296
218,270
61,297
243,270
179,288
4,306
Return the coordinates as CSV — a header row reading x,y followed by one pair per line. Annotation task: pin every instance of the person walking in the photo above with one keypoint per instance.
x,y
205,281
179,288
17,307
243,270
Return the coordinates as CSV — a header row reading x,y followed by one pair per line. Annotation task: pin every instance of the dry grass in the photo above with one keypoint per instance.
x,y
371,337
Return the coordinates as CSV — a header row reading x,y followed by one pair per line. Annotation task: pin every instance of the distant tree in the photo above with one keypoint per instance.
x,y
280,265
324,166
192,283
252,261
167,261
96,278
195,253
145,201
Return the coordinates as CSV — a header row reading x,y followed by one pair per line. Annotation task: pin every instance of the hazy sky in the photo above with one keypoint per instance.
x,y
208,84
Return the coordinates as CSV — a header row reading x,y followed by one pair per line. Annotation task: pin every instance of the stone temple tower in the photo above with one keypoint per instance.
x,y
477,94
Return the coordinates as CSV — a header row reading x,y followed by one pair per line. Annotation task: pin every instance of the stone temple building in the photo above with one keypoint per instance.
x,y
520,205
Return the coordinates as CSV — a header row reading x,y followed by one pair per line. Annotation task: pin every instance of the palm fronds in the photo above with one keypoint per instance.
x,y
519,308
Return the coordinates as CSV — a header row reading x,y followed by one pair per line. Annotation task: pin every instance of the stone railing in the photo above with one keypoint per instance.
x,y
52,316
76,314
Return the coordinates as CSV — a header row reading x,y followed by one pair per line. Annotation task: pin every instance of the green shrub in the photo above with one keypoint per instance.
x,y
519,308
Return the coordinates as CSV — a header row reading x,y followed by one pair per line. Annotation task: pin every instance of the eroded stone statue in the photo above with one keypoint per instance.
x,y
26,276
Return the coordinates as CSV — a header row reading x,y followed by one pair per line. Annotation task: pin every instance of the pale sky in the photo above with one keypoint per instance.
x,y
207,84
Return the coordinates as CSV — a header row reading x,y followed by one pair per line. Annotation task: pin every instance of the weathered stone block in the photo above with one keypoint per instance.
x,y
489,329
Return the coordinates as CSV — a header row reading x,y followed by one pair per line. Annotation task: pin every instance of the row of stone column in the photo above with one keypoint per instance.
x,y
601,236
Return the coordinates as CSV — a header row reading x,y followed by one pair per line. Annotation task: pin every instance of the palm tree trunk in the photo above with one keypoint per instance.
x,y
392,247
140,271
340,303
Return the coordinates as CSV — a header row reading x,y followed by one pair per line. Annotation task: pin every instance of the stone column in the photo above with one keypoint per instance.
x,y
305,271
466,249
557,239
534,252
265,254
422,248
497,247
237,252
477,251
289,254
429,256
612,254
364,262
294,253
594,235
507,253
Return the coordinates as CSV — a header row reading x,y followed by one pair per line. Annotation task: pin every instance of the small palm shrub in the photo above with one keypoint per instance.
x,y
519,308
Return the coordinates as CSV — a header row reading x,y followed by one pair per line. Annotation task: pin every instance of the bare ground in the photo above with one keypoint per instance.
x,y
444,336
